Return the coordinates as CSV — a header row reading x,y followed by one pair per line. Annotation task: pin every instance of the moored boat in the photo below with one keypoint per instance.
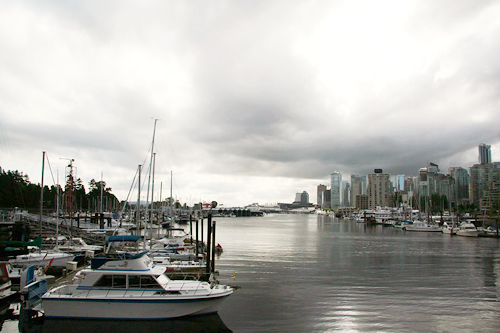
x,y
422,226
467,229
131,286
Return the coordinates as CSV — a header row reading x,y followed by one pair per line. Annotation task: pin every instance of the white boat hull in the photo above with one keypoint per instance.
x,y
468,233
34,259
160,307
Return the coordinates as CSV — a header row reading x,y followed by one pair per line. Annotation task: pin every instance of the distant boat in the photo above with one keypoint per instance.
x,y
422,226
467,229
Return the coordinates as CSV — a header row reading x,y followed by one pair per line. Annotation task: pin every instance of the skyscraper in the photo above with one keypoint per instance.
x,y
335,195
319,195
379,190
484,153
358,187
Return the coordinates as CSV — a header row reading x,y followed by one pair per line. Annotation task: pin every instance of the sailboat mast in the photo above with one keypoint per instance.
x,y
138,216
152,202
41,193
149,177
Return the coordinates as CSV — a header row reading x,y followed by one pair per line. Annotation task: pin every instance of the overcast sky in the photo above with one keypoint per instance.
x,y
256,100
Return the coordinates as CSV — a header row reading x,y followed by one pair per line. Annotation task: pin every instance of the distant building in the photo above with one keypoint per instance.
x,y
327,199
358,187
361,201
400,183
319,194
302,198
379,190
482,180
461,190
346,194
484,154
335,190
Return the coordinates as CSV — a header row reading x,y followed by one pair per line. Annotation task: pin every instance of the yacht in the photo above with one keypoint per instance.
x,y
422,226
131,286
467,229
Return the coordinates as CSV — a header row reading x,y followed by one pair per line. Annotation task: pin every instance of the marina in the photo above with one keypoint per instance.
x,y
308,272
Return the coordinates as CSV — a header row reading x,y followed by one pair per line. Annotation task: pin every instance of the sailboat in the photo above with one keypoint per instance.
x,y
42,258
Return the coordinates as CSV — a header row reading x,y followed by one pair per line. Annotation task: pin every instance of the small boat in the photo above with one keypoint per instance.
x,y
78,245
422,226
467,229
44,258
401,224
218,249
131,286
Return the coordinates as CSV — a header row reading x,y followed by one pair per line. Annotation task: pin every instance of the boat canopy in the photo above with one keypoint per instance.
x,y
123,238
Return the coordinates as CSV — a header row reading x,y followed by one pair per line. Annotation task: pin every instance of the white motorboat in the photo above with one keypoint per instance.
x,y
422,226
44,258
467,229
131,286
77,244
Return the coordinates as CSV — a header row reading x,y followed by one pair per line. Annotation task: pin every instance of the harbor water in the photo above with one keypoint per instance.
x,y
311,273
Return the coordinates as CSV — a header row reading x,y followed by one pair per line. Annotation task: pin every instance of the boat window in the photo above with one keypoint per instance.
x,y
134,281
119,281
148,281
105,281
112,281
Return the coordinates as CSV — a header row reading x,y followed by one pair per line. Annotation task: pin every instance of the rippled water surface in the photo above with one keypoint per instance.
x,y
309,273
305,273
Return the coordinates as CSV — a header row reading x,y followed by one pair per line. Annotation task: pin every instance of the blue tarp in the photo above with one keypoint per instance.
x,y
123,238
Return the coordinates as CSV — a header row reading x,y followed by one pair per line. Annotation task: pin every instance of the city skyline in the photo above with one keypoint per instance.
x,y
256,101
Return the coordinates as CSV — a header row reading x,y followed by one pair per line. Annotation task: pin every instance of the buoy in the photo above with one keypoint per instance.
x,y
234,275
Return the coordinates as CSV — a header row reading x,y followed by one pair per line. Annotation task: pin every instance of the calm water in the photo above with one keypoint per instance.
x,y
308,273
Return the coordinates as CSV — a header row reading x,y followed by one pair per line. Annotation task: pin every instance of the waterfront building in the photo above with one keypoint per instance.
x,y
302,198
319,194
461,178
358,187
326,199
379,190
482,179
346,194
484,154
335,190
361,201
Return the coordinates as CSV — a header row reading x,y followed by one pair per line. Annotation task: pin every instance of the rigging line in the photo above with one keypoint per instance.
x,y
130,191
50,168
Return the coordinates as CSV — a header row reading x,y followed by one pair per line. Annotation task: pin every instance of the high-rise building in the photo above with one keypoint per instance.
x,y
379,190
400,183
346,194
304,198
336,187
482,177
461,177
484,154
358,187
319,194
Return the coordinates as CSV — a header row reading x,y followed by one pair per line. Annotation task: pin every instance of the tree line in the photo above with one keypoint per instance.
x,y
16,190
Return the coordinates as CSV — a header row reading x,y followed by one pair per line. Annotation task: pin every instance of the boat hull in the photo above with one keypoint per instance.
x,y
468,233
130,309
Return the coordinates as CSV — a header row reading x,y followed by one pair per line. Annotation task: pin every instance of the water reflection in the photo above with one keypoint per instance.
x,y
205,323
